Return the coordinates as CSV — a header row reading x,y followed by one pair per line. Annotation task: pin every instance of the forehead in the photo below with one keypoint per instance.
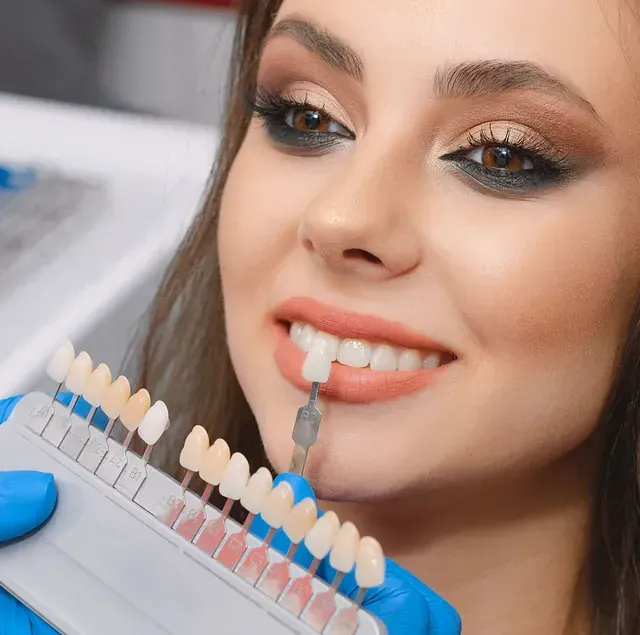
x,y
588,44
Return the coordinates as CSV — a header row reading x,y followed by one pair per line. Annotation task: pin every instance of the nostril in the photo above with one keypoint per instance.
x,y
361,253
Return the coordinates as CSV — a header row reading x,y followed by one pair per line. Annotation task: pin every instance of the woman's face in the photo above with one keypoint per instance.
x,y
451,184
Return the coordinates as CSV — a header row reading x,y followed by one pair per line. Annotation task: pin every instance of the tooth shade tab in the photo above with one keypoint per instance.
x,y
345,548
116,397
300,520
134,410
79,373
97,385
215,462
194,450
317,365
235,477
154,423
258,488
370,563
322,535
60,362
278,505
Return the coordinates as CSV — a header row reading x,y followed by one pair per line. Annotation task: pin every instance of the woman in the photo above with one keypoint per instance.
x,y
457,182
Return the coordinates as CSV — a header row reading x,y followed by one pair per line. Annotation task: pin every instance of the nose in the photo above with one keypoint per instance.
x,y
362,223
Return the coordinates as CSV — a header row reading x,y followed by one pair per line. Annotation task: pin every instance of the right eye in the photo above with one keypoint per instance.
x,y
313,121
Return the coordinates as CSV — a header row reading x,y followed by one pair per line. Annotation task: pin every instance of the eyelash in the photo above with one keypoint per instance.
x,y
548,169
274,109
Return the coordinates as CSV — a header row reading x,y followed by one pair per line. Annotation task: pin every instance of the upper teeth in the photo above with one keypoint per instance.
x,y
360,353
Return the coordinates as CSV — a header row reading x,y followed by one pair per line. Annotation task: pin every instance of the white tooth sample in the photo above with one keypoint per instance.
x,y
300,520
215,461
295,331
322,535
258,488
154,423
135,409
332,342
306,337
431,360
317,365
79,373
278,505
354,353
370,563
409,360
60,362
235,477
194,450
97,385
345,548
116,397
384,357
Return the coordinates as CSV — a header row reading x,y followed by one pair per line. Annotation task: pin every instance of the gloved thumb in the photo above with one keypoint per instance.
x,y
27,499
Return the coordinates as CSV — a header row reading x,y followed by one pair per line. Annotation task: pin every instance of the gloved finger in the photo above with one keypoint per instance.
x,y
398,604
443,618
17,619
26,501
301,490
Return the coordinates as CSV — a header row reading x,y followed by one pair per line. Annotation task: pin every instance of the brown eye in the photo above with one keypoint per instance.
x,y
310,121
501,158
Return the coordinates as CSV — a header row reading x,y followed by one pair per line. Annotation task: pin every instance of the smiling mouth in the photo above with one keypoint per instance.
x,y
372,359
360,353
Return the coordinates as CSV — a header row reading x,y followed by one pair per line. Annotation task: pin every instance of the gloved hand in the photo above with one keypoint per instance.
x,y
26,501
404,604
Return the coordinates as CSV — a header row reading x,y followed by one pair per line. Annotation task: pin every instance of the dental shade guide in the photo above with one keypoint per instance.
x,y
117,558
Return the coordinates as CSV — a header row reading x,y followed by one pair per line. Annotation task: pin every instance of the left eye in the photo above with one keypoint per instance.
x,y
310,121
500,157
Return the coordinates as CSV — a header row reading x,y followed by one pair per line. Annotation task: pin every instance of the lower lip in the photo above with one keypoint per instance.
x,y
348,384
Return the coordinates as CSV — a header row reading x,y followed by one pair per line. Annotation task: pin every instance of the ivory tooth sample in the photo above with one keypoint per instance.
x,y
114,401
134,412
370,566
152,427
79,433
60,364
296,526
78,376
342,559
370,573
253,500
318,541
58,426
277,506
192,457
317,364
193,453
96,389
94,453
214,464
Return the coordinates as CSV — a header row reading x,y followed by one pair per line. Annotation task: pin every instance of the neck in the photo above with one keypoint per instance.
x,y
508,555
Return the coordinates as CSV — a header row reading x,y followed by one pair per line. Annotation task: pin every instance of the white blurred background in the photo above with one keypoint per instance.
x,y
116,105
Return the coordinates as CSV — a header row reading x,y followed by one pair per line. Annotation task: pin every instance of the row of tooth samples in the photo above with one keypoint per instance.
x,y
218,467
97,452
322,536
358,353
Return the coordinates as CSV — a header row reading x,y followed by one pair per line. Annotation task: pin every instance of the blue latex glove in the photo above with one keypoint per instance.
x,y
404,604
27,499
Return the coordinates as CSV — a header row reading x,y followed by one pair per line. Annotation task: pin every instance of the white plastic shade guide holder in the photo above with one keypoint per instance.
x,y
107,562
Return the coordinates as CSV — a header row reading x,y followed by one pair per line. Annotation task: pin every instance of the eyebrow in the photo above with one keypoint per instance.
x,y
469,79
330,48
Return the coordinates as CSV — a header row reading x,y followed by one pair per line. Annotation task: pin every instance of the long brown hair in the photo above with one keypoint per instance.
x,y
185,361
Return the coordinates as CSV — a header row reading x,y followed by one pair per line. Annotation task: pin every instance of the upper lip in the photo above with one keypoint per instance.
x,y
350,325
